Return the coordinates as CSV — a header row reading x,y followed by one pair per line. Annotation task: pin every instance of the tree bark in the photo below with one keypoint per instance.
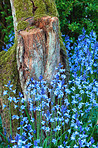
x,y
37,50
40,51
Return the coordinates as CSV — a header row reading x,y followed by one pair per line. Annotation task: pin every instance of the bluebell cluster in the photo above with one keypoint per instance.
x,y
10,42
60,115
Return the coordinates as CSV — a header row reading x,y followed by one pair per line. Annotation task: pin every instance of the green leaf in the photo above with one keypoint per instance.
x,y
45,142
3,13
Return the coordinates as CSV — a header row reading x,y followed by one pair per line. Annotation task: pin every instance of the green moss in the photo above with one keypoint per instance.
x,y
32,27
23,10
9,66
22,25
45,8
5,56
1,53
8,71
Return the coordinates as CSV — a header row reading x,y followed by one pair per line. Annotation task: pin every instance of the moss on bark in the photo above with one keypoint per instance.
x,y
8,64
8,71
45,8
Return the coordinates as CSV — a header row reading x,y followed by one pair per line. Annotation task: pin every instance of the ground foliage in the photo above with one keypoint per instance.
x,y
6,25
76,14
73,15
61,122
81,115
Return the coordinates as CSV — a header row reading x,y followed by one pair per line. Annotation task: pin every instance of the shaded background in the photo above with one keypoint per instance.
x,y
73,16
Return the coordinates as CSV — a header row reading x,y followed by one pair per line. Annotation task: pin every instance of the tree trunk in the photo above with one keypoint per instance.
x,y
37,50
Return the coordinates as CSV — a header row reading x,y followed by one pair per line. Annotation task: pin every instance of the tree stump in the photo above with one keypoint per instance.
x,y
38,51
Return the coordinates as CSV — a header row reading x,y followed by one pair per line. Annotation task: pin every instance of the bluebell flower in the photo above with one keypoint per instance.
x,y
92,140
38,108
21,123
22,107
20,142
69,131
32,119
34,131
63,35
80,105
54,141
17,137
57,76
66,121
66,102
5,132
15,106
73,88
60,65
13,141
20,95
73,136
15,117
5,92
47,129
74,101
4,49
67,91
14,99
30,136
28,145
60,146
3,106
74,109
10,99
28,127
25,119
51,120
81,92
75,146
40,77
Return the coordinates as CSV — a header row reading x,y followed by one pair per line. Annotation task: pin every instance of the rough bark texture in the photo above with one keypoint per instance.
x,y
38,49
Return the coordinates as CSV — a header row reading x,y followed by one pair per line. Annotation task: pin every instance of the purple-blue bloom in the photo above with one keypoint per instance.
x,y
62,109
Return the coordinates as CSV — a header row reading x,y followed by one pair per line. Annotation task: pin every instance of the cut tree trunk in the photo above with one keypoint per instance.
x,y
38,49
